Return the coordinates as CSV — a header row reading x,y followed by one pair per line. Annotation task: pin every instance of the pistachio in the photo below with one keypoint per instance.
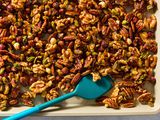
x,y
2,70
30,59
124,22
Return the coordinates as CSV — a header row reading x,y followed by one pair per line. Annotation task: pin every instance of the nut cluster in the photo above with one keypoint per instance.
x,y
46,46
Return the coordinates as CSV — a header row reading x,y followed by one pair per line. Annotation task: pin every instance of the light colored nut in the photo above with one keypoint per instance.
x,y
40,86
95,76
53,41
37,68
53,93
153,60
87,18
105,71
115,92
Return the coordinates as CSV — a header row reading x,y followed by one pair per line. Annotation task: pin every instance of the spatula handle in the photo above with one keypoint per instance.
x,y
39,107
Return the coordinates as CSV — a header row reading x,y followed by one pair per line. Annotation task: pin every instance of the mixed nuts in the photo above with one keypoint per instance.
x,y
46,46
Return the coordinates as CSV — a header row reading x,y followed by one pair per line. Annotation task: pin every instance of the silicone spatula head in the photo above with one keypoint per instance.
x,y
88,89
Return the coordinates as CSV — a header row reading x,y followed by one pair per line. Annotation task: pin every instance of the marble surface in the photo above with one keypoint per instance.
x,y
151,117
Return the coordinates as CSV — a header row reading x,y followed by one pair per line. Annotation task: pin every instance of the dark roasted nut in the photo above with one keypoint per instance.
x,y
114,25
139,25
15,92
65,70
150,45
111,103
61,43
124,33
128,105
86,73
129,17
24,81
32,80
69,38
13,102
76,78
27,102
2,46
127,93
99,101
146,98
88,61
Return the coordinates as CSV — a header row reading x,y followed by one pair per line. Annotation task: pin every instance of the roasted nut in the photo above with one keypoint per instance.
x,y
6,89
18,4
140,25
105,71
40,86
53,93
27,102
153,61
86,73
150,23
146,98
128,105
111,102
88,18
76,78
96,76
3,102
37,68
15,92
65,84
28,95
127,93
3,105
68,38
125,84
67,55
88,61
13,102
115,92
114,25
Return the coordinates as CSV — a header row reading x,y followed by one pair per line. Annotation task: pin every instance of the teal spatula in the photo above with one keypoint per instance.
x,y
86,89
